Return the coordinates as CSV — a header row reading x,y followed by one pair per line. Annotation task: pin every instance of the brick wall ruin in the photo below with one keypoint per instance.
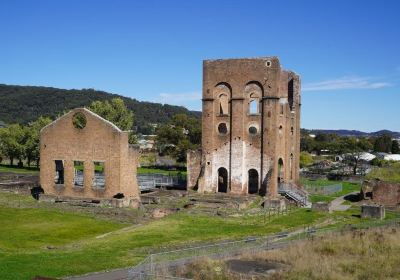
x,y
85,156
250,127
380,192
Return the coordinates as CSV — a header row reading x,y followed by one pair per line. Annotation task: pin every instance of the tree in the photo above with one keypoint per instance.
x,y
395,147
305,159
32,139
116,112
383,144
12,142
183,133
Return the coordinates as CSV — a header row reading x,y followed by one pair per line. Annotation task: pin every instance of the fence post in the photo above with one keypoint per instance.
x,y
151,264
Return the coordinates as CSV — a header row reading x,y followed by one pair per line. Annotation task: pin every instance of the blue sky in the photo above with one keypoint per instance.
x,y
347,52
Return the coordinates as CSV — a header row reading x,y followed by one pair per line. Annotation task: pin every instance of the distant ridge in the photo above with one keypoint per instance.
x,y
23,104
345,132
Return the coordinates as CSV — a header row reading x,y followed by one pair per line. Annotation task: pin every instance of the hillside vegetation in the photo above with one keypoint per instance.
x,y
23,104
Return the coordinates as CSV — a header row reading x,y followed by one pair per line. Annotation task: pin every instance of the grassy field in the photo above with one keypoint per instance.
x,y
47,241
347,188
15,169
35,170
42,239
390,173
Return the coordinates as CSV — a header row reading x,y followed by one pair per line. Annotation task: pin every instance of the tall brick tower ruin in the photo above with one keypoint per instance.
x,y
251,128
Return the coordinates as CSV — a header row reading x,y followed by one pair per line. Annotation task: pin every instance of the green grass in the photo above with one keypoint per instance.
x,y
20,170
27,232
145,170
389,173
347,187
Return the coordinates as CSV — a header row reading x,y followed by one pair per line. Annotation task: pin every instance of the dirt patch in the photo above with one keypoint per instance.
x,y
253,267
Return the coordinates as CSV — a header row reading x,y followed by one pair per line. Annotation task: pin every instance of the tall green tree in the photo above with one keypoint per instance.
x,y
183,133
116,112
12,140
383,144
32,139
395,147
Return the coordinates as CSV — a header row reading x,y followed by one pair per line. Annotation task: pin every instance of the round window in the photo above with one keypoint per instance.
x,y
253,130
222,128
79,120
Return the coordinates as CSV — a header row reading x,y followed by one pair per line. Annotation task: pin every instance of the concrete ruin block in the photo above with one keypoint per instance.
x,y
373,211
277,204
134,203
321,206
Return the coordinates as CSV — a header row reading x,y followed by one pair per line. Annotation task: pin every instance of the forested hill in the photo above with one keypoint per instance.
x,y
22,104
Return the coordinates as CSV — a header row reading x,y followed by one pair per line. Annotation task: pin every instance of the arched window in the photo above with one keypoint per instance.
x,y
222,94
290,94
253,104
223,104
222,180
291,166
253,181
253,91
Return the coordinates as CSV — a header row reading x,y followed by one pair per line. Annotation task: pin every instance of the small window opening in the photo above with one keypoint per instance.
x,y
281,109
269,114
78,173
253,130
99,175
291,131
79,120
222,128
59,175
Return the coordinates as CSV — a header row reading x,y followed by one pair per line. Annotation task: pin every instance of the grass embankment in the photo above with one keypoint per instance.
x,y
140,170
51,242
363,254
347,187
19,170
389,173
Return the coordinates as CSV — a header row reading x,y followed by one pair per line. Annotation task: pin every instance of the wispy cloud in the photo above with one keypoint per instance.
x,y
353,82
191,100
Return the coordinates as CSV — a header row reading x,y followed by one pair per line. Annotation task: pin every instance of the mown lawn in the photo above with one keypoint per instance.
x,y
55,243
347,188
19,170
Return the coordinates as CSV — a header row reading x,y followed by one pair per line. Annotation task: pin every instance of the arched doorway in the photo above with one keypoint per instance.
x,y
253,181
280,171
222,180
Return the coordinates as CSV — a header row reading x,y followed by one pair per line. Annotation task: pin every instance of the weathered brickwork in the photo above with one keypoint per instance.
x,y
62,143
380,192
250,126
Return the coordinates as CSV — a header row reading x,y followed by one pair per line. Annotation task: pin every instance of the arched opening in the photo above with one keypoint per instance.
x,y
253,181
291,166
280,171
253,104
222,180
223,104
290,94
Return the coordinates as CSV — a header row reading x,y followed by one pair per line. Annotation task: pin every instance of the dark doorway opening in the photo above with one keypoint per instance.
x,y
222,180
280,171
253,181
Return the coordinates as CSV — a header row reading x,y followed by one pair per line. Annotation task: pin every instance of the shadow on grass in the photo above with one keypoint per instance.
x,y
353,197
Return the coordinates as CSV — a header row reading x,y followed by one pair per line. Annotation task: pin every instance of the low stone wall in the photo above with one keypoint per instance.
x,y
321,206
373,211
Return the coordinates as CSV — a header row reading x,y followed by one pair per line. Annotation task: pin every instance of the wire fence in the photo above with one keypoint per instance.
x,y
152,181
162,265
324,190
